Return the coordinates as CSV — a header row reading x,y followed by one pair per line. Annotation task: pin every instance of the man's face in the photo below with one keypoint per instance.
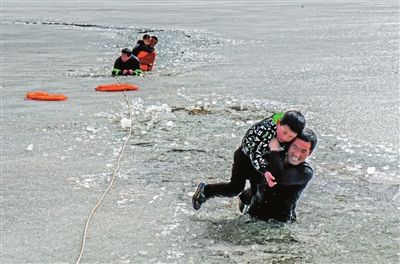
x,y
153,42
298,151
125,57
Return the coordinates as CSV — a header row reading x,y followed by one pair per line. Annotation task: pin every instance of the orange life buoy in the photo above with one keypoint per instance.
x,y
44,96
115,87
146,60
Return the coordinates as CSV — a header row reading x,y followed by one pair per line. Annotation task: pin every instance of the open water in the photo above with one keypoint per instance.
x,y
336,61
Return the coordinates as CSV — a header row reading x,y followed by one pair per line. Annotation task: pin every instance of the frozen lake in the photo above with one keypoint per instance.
x,y
338,62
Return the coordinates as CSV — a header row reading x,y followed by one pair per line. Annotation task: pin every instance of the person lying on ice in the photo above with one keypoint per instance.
x,y
126,64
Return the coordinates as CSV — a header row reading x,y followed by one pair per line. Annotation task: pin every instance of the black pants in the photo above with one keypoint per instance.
x,y
242,170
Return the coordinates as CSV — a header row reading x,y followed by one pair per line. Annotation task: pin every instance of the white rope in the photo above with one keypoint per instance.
x,y
109,186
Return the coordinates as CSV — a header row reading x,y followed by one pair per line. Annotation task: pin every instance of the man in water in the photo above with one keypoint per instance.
x,y
126,64
250,160
143,45
153,41
292,174
146,54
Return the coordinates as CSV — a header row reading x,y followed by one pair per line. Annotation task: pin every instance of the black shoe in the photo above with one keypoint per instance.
x,y
199,197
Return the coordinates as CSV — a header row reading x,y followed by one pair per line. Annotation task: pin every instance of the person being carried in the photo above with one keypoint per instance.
x,y
146,58
126,64
250,159
292,174
143,45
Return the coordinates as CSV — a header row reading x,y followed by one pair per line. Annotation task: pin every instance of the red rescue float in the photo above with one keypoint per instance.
x,y
116,87
44,96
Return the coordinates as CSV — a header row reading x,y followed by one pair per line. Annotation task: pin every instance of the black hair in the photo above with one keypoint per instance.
x,y
126,51
294,120
154,37
146,36
309,136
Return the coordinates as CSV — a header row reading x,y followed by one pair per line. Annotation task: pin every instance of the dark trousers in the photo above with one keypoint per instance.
x,y
242,170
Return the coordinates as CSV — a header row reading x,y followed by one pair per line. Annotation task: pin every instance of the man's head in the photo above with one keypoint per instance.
x,y
125,54
302,147
146,39
153,41
291,125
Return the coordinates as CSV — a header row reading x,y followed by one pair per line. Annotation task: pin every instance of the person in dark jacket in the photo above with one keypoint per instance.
x,y
287,177
143,44
126,64
251,158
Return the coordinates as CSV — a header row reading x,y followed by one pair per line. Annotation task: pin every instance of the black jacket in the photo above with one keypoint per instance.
x,y
280,200
255,144
119,65
140,46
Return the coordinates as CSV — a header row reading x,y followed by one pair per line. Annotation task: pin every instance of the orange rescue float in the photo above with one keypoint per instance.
x,y
44,96
115,87
146,60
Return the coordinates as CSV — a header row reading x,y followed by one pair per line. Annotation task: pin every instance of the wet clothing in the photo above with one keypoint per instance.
x,y
250,160
255,143
130,64
242,170
140,46
280,200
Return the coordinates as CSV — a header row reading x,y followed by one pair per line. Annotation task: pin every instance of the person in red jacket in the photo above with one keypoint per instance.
x,y
147,54
143,45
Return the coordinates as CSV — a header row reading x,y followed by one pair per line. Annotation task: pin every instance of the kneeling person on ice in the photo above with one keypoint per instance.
x,y
292,174
126,64
251,158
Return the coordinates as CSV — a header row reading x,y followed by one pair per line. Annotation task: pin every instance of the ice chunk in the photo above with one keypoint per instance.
x,y
125,122
30,147
169,123
91,129
371,170
123,201
164,108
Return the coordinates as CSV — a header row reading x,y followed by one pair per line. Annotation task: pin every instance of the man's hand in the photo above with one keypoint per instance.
x,y
270,179
130,72
274,144
125,72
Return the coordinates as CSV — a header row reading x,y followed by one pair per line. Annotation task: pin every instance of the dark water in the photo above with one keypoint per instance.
x,y
336,61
